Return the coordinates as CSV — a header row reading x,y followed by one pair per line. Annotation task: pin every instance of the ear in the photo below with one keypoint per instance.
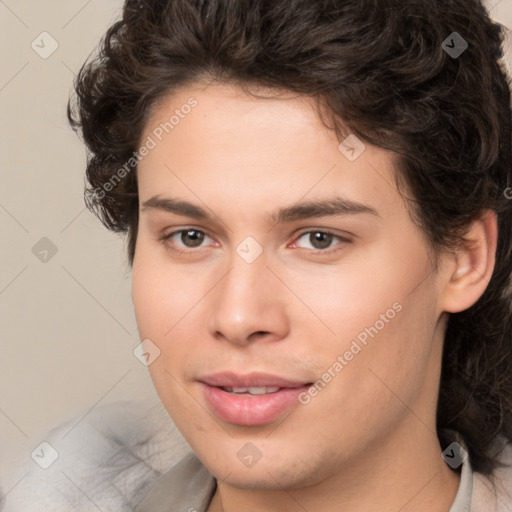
x,y
471,266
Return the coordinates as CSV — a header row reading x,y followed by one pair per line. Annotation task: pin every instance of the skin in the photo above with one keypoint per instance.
x,y
367,441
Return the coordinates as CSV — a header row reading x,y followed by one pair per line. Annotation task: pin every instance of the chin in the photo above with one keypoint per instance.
x,y
272,472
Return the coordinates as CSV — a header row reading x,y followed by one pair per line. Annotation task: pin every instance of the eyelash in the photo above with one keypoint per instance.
x,y
165,238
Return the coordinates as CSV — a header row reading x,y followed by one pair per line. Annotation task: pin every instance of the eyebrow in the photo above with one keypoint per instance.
x,y
300,211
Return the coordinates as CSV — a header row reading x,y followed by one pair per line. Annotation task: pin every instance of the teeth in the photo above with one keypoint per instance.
x,y
261,391
252,391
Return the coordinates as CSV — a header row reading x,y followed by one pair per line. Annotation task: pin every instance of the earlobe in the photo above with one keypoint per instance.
x,y
473,265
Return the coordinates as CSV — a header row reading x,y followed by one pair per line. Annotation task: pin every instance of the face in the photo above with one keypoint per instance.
x,y
269,258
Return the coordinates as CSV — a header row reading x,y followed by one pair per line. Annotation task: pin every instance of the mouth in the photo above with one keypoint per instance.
x,y
262,390
252,399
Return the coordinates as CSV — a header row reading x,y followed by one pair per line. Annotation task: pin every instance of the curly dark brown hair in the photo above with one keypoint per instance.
x,y
384,70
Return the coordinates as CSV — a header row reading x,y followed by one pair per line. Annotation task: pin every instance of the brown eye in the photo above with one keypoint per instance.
x,y
184,239
320,240
193,236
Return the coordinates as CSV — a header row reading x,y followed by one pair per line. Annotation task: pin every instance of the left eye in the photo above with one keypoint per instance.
x,y
320,240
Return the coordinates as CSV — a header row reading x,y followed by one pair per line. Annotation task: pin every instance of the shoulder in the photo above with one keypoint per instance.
x,y
109,459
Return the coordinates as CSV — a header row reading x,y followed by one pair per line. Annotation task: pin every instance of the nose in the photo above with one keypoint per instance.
x,y
249,303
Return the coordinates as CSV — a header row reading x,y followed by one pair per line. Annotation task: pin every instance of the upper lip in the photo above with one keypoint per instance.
x,y
249,380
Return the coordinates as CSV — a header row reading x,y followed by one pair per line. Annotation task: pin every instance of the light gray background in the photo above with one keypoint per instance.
x,y
67,327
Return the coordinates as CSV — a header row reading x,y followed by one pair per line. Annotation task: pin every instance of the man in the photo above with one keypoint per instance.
x,y
316,200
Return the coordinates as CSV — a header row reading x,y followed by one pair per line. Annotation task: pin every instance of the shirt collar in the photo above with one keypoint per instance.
x,y
462,501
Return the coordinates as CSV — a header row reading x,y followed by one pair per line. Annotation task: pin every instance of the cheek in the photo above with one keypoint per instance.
x,y
166,303
161,294
363,292
161,307
380,314
385,360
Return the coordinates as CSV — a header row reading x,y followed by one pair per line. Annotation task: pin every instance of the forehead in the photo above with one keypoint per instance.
x,y
225,111
220,140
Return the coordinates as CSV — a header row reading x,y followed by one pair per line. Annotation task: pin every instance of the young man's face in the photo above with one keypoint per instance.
x,y
349,301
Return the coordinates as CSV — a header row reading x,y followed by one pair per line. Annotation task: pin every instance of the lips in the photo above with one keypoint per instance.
x,y
251,399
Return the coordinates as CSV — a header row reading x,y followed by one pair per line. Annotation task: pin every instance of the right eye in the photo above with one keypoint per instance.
x,y
189,238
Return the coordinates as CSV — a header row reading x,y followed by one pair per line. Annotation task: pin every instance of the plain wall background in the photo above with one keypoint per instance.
x,y
67,326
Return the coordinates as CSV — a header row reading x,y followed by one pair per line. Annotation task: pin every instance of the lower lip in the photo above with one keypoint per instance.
x,y
254,409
